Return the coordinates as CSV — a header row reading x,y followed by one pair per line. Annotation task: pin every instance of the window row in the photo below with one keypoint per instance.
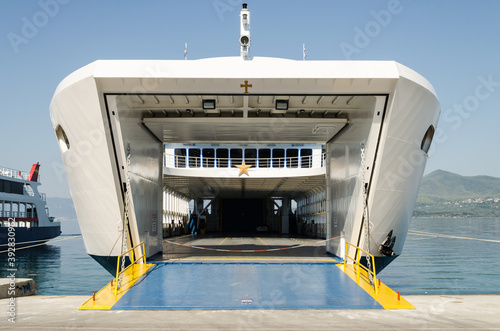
x,y
7,186
225,157
17,209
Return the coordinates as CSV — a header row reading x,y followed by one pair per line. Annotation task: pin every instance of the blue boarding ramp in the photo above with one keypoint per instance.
x,y
206,284
246,285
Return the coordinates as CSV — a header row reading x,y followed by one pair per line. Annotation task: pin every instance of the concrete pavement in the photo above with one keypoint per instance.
x,y
433,312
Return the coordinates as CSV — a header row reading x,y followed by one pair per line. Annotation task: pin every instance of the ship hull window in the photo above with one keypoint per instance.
x,y
194,157
236,157
251,157
11,187
180,157
264,158
208,157
278,158
222,157
62,138
427,140
292,158
306,158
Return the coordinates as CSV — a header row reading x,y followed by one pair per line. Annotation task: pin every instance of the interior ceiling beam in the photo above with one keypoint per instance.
x,y
241,130
259,188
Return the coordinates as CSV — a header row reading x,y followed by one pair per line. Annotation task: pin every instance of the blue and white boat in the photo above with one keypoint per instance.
x,y
24,215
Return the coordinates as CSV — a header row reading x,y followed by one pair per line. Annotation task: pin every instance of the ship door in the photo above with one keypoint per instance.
x,y
242,215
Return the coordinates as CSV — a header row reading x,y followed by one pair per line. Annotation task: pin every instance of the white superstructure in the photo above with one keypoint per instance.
x,y
120,124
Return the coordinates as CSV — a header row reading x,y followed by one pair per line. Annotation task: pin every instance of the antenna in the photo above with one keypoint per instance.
x,y
245,32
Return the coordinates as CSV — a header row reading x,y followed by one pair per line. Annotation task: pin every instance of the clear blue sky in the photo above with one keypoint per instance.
x,y
454,44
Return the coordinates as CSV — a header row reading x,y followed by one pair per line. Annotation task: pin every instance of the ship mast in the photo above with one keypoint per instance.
x,y
245,33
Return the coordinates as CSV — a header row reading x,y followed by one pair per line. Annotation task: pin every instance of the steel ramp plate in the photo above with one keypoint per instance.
x,y
246,286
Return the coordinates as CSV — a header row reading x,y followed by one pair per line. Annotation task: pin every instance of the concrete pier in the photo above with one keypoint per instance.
x,y
436,312
16,287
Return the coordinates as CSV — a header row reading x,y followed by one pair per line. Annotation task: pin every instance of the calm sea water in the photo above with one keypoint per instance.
x,y
438,265
60,268
430,264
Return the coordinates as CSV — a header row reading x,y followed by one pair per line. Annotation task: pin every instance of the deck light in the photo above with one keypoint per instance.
x,y
209,104
281,105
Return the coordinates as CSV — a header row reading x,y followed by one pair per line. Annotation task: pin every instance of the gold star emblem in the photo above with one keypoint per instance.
x,y
243,168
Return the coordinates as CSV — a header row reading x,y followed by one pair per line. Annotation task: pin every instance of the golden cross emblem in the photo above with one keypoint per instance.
x,y
246,86
243,168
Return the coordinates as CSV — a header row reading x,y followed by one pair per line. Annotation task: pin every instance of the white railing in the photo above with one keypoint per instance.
x,y
17,214
302,162
13,173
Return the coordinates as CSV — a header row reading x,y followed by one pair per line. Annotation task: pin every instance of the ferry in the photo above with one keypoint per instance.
x,y
325,149
24,215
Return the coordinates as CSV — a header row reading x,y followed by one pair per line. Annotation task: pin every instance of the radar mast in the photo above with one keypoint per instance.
x,y
245,32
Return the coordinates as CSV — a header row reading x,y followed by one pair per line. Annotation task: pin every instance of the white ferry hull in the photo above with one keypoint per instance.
x,y
111,115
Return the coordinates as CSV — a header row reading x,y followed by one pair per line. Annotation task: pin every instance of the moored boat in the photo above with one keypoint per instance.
x,y
24,215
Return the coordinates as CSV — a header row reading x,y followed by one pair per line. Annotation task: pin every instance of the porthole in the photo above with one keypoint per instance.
x,y
62,138
426,142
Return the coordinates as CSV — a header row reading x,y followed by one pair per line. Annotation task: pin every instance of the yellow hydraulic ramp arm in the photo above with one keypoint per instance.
x,y
125,279
362,276
359,266
133,261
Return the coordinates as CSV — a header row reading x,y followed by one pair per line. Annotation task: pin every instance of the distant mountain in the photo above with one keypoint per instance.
x,y
442,194
441,186
446,194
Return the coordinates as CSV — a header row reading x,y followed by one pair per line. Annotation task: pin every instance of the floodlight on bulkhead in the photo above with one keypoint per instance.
x,y
281,105
209,104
